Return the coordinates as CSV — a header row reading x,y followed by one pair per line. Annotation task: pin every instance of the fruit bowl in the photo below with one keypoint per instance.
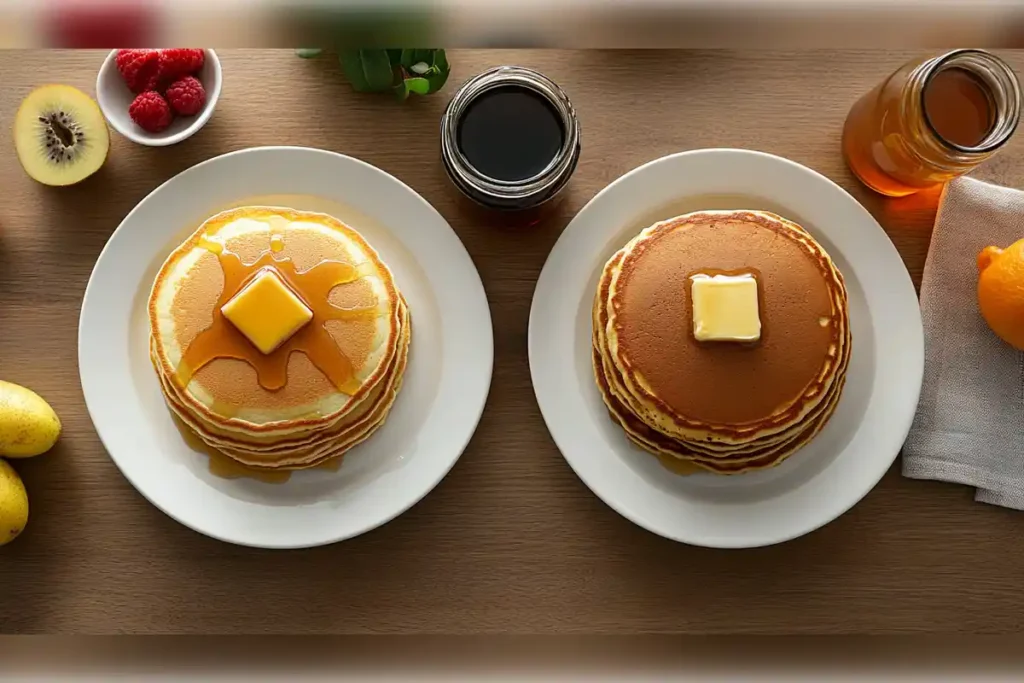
x,y
114,98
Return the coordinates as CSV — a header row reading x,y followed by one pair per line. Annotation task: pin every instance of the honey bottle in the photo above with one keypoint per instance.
x,y
932,120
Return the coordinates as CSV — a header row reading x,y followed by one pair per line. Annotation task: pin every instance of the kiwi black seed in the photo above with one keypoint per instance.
x,y
62,136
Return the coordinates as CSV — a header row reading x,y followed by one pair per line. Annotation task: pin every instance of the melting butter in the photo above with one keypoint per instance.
x,y
725,307
267,311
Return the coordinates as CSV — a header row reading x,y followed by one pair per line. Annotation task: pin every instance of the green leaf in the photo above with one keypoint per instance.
x,y
401,90
391,69
308,52
440,60
410,57
353,68
420,86
377,68
440,76
367,70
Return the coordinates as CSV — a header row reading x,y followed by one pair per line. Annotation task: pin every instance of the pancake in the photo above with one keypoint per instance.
x,y
673,450
315,447
701,445
753,453
780,378
327,386
721,407
190,286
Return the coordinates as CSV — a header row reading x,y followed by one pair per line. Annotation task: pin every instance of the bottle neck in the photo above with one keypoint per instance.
x,y
999,86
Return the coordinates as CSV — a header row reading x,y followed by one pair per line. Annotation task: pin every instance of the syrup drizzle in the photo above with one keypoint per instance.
x,y
313,286
677,466
222,466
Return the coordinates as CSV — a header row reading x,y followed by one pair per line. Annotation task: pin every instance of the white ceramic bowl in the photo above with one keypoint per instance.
x,y
114,98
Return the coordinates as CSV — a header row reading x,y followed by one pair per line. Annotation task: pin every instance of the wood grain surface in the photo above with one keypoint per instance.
x,y
511,540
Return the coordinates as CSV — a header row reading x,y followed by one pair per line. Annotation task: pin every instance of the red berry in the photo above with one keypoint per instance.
x,y
180,61
140,69
186,96
150,112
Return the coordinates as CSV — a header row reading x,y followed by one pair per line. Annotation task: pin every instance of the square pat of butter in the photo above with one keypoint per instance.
x,y
267,311
725,308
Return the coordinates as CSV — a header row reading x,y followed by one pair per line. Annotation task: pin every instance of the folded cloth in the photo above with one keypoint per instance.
x,y
969,427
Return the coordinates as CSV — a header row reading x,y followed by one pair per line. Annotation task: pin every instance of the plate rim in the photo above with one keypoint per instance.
x,y
562,248
485,347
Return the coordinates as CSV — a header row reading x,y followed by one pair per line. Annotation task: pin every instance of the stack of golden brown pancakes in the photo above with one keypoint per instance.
x,y
325,386
721,407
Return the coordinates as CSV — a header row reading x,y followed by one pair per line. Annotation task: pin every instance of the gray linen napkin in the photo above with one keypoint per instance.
x,y
969,427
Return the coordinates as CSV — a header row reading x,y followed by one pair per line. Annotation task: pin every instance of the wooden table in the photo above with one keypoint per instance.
x,y
511,540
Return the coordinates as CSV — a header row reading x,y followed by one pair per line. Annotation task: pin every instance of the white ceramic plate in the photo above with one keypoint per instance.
x,y
824,479
441,400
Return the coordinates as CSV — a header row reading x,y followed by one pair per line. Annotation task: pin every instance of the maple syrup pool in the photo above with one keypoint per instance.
x,y
510,133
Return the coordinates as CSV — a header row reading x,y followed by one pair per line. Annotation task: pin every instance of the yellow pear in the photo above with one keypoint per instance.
x,y
28,425
13,504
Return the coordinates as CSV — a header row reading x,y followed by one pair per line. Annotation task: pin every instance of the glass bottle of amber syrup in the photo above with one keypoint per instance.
x,y
931,121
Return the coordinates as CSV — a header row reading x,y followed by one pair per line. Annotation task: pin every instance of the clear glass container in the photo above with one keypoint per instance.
x,y
931,121
510,194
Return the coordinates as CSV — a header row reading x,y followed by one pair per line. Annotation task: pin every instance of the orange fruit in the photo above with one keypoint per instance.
x,y
1001,291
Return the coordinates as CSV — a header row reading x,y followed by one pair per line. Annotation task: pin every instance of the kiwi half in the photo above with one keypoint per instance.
x,y
60,135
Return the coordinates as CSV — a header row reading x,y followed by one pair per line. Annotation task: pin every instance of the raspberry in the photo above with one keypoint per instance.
x,y
186,96
150,112
139,68
180,61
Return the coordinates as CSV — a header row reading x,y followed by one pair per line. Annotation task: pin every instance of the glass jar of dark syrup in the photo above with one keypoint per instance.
x,y
510,139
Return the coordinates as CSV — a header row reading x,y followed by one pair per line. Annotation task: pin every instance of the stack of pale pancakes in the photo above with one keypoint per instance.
x,y
721,407
325,386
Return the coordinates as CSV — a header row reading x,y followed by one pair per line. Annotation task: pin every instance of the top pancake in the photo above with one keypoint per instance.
x,y
725,390
226,391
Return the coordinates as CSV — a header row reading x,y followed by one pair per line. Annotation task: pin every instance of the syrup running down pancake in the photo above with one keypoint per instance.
x,y
279,336
731,405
